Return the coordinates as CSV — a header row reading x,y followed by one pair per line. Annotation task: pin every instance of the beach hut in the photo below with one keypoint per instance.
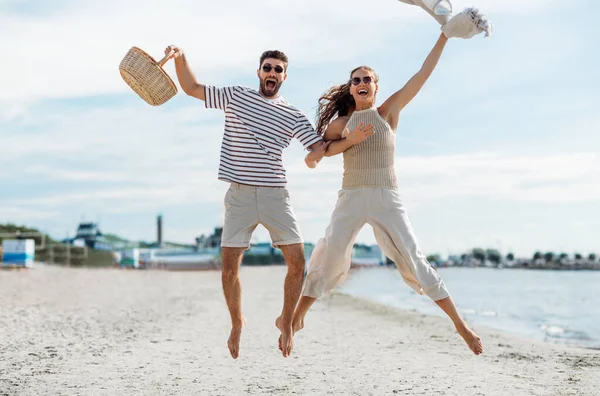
x,y
18,253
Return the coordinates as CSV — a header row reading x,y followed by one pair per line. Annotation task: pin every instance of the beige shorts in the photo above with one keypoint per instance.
x,y
383,209
248,206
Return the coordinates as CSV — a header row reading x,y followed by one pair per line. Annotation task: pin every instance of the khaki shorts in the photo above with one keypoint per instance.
x,y
248,206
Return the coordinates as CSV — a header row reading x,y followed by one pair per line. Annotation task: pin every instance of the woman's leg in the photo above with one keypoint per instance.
x,y
301,310
470,337
395,236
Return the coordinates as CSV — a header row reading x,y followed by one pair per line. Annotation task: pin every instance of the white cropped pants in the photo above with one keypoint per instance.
x,y
382,208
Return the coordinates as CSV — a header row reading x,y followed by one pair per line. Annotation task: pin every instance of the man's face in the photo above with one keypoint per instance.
x,y
271,75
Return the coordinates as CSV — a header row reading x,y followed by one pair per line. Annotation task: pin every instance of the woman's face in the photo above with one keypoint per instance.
x,y
363,87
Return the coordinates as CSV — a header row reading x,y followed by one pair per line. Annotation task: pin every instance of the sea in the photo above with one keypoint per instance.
x,y
554,306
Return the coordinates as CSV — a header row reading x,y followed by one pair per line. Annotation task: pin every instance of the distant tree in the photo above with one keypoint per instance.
x,y
493,255
434,258
114,238
549,257
578,256
563,256
479,254
537,255
463,257
592,257
15,228
510,257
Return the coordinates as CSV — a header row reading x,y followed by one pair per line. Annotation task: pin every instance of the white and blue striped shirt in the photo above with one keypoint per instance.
x,y
257,130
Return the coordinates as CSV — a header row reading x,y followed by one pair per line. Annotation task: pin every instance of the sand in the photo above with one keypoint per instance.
x,y
70,331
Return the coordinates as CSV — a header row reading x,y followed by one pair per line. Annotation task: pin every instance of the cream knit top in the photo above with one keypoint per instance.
x,y
371,162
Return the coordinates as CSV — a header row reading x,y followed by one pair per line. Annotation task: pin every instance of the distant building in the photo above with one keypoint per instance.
x,y
92,236
210,241
159,230
367,255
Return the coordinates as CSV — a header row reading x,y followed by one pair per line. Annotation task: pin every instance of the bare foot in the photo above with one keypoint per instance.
x,y
472,339
234,339
286,340
297,325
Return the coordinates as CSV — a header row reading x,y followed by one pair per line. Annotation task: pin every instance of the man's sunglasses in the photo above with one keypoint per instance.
x,y
267,68
357,80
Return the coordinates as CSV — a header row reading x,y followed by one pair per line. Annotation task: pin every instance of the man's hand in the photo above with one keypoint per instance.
x,y
359,134
186,77
173,52
317,154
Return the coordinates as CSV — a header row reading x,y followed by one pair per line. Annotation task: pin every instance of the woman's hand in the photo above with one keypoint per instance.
x,y
359,134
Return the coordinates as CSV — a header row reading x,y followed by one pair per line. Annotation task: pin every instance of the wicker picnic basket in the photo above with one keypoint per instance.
x,y
146,77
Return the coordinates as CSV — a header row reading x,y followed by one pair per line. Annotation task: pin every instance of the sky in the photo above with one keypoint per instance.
x,y
501,148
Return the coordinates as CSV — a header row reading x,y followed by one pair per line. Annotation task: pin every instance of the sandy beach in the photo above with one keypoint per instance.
x,y
67,331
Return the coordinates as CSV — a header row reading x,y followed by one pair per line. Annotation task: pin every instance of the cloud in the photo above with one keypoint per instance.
x,y
74,48
26,214
83,44
568,178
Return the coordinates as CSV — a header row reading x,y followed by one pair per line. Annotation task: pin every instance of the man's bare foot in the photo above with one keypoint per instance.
x,y
472,339
286,340
234,339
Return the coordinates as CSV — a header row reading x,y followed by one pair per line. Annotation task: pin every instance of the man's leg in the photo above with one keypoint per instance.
x,y
294,258
232,288
240,221
278,217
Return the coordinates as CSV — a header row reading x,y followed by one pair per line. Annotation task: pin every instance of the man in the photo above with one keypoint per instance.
x,y
258,126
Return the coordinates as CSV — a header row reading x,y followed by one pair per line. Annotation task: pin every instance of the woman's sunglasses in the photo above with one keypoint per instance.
x,y
267,68
357,80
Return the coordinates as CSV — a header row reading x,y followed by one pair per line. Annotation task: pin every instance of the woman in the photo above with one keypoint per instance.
x,y
369,192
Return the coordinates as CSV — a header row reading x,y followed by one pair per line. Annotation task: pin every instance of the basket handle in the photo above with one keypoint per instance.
x,y
165,59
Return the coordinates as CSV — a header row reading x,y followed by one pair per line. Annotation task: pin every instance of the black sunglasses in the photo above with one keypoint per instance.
x,y
267,68
357,80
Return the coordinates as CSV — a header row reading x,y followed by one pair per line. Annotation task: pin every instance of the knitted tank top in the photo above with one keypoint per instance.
x,y
371,162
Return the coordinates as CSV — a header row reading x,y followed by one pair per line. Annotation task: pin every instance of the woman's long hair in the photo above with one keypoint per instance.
x,y
337,101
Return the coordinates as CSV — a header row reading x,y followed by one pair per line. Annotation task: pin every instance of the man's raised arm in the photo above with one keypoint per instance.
x,y
186,77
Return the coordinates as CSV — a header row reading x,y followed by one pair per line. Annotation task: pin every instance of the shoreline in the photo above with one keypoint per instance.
x,y
507,334
543,311
113,332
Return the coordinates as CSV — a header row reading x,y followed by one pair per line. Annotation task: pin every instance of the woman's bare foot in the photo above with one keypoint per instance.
x,y
297,325
472,339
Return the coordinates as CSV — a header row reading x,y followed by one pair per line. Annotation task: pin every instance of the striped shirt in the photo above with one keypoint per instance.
x,y
257,130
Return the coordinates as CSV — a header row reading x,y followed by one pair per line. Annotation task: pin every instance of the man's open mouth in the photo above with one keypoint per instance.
x,y
270,83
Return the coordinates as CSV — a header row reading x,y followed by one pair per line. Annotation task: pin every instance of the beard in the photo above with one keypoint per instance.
x,y
269,92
